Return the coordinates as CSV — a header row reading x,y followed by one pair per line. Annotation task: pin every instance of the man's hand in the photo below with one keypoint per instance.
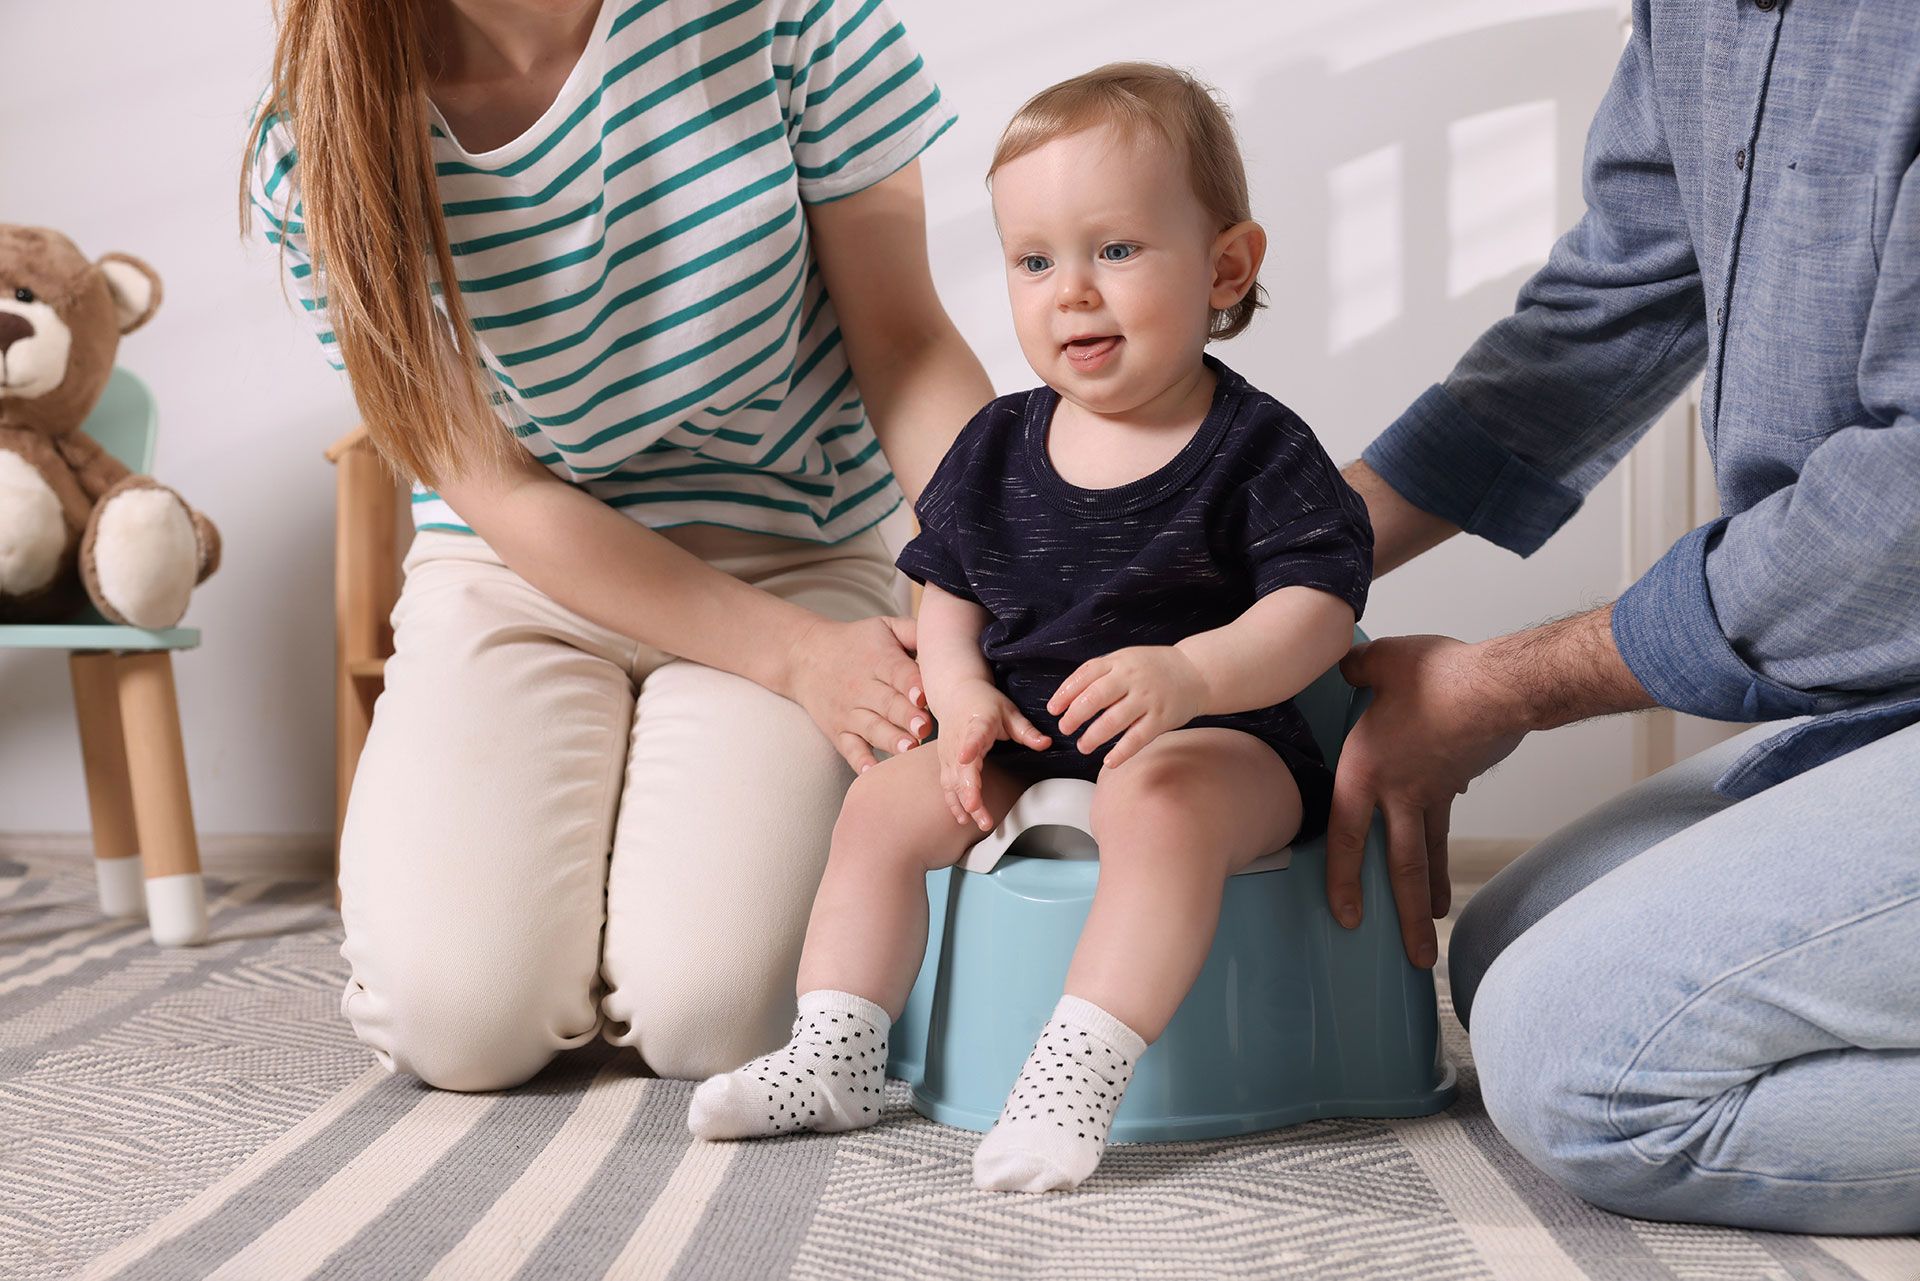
x,y
1444,713
1436,723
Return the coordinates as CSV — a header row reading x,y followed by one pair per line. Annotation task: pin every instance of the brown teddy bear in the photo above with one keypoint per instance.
x,y
71,516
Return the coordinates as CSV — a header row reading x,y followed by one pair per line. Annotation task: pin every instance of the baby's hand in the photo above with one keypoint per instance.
x,y
1144,691
972,717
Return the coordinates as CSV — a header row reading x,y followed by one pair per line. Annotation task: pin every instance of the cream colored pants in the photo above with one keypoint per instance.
x,y
556,831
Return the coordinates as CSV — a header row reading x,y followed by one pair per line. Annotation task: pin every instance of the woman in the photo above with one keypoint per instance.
x,y
644,635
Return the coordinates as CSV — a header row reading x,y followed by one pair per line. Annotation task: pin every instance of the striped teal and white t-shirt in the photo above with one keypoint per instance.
x,y
637,265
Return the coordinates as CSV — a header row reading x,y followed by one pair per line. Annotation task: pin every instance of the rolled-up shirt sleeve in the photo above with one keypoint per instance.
x,y
1601,340
1808,601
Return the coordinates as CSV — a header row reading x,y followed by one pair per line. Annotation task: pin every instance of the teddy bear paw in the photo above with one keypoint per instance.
x,y
145,557
32,534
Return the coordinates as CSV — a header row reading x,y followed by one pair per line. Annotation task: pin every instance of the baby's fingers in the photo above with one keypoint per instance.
x,y
1024,731
1070,688
1111,722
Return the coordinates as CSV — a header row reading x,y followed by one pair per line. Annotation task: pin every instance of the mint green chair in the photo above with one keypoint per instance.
x,y
146,856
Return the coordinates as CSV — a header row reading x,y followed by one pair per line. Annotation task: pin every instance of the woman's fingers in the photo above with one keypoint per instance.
x,y
857,753
901,712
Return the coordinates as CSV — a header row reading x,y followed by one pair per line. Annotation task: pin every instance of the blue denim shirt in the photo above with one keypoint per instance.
x,y
1754,208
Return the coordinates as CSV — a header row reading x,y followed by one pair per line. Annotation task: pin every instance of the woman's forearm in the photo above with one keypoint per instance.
x,y
1277,648
1401,531
919,398
618,573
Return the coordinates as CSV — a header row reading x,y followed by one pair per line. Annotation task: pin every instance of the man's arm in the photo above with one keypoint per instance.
x,y
1401,531
1600,341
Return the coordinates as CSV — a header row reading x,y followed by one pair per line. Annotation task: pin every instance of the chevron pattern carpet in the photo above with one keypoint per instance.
x,y
205,1112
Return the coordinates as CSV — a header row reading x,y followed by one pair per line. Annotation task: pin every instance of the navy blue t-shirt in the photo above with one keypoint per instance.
x,y
1250,505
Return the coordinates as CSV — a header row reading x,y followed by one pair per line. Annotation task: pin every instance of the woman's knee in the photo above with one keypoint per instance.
x,y
460,1027
689,1026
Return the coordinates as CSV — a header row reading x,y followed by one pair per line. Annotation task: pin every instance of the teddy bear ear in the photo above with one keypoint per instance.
x,y
135,288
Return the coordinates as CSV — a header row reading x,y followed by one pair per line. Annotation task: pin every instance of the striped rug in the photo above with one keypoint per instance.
x,y
205,1112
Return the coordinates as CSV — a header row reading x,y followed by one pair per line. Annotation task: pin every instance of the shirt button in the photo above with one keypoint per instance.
x,y
1720,316
1740,158
1764,6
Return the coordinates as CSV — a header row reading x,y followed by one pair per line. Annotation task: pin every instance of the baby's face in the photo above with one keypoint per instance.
x,y
1109,259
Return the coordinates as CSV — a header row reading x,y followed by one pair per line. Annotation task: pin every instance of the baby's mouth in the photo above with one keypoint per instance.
x,y
1087,351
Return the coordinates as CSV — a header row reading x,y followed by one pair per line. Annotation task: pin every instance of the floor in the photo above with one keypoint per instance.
x,y
205,1112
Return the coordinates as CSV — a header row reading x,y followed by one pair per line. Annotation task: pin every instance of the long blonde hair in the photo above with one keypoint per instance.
x,y
350,77
1138,98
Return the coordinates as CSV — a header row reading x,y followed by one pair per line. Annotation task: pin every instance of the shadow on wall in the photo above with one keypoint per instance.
x,y
1407,199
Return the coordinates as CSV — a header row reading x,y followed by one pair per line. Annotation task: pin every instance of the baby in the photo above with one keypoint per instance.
x,y
1128,572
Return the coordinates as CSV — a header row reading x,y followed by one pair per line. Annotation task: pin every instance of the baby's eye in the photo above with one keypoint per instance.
x,y
1034,264
1118,252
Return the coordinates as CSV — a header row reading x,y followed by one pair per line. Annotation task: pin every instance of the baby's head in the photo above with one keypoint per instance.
x,y
1122,206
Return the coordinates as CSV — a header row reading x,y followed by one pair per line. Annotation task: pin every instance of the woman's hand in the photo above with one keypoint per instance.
x,y
1138,693
861,685
973,716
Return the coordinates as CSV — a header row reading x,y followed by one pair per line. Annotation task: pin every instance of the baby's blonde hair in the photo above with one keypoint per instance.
x,y
1137,98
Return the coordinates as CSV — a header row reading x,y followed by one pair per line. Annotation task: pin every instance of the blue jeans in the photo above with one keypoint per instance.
x,y
1689,1008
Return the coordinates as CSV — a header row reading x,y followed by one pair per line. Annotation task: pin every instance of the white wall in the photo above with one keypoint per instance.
x,y
1413,160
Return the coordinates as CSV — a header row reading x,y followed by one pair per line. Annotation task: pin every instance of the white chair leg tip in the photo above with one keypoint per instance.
x,y
122,888
177,910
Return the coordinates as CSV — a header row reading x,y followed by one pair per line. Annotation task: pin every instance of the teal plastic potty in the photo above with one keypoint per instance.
x,y
1292,1018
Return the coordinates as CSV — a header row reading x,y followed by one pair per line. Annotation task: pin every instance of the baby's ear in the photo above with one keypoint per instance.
x,y
135,288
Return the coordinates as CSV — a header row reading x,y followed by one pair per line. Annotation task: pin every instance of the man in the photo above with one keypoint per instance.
x,y
1702,1000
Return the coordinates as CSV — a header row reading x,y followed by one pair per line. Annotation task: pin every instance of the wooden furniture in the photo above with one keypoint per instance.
x,y
146,855
366,582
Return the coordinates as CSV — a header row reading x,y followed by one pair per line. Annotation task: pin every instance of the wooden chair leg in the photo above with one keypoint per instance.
x,y
162,808
103,754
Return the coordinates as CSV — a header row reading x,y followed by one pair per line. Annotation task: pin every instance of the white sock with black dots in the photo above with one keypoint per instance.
x,y
1054,1127
830,1077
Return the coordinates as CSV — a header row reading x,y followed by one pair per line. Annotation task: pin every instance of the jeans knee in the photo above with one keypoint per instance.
x,y
1476,941
1547,1082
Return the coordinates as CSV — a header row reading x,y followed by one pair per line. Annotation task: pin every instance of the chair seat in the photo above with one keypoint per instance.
x,y
96,636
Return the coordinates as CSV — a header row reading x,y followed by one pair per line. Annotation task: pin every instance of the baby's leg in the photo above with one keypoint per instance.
x,y
1173,824
864,943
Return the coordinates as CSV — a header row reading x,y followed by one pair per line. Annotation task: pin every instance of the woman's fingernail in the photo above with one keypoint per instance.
x,y
906,745
918,725
914,696
866,767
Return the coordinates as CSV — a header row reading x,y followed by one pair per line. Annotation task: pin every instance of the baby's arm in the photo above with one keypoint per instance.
x,y
1268,654
1278,647
972,711
949,646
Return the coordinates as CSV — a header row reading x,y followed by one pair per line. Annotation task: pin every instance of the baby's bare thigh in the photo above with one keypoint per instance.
x,y
896,810
1214,789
